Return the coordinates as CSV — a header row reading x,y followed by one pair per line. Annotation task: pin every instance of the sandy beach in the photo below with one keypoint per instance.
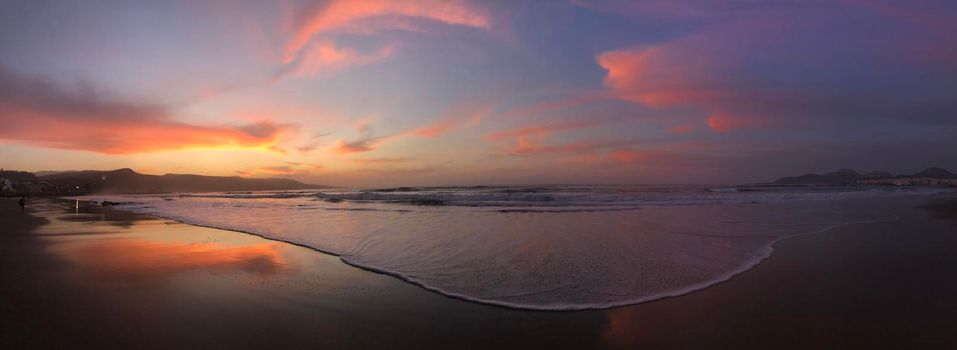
x,y
76,275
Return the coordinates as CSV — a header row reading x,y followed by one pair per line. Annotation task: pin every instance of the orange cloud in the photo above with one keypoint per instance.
x,y
323,57
341,14
457,117
382,160
539,131
368,141
528,140
436,129
38,113
345,147
290,169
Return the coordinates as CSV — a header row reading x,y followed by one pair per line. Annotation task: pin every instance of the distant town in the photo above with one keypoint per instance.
x,y
937,177
21,182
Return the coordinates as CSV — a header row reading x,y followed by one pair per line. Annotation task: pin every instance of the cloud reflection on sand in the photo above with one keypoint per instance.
x,y
132,258
139,248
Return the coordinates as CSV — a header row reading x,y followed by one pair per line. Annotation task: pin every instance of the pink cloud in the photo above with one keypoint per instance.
x,y
456,118
539,131
323,58
722,122
435,129
752,71
339,14
460,115
368,161
698,71
529,139
659,76
39,113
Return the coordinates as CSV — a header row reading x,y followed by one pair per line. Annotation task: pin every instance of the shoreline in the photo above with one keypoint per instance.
x,y
243,291
764,254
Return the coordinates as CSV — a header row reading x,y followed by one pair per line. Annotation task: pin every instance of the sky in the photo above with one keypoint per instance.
x,y
378,93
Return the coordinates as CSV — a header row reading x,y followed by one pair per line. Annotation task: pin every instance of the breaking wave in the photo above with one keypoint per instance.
x,y
536,247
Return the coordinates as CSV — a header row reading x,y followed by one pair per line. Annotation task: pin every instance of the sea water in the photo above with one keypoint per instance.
x,y
536,247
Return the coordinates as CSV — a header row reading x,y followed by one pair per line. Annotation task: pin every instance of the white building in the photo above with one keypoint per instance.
x,y
6,185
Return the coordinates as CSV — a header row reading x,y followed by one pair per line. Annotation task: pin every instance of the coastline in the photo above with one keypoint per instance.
x,y
533,260
752,308
941,207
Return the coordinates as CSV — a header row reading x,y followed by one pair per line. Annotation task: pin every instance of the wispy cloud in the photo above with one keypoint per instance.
x,y
530,147
368,140
396,160
529,140
323,58
41,113
543,130
320,18
312,49
288,169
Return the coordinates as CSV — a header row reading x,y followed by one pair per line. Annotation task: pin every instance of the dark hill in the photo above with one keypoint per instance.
x,y
848,176
937,173
127,181
18,176
878,175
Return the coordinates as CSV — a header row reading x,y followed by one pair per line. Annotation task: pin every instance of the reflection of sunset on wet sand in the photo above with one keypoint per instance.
x,y
117,246
109,278
127,258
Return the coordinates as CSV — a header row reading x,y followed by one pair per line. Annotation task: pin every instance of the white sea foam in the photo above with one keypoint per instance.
x,y
551,248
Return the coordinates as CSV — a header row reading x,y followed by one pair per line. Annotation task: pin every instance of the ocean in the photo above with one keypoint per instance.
x,y
555,247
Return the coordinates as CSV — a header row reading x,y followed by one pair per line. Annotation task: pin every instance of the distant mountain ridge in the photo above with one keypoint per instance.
x,y
849,176
127,181
933,172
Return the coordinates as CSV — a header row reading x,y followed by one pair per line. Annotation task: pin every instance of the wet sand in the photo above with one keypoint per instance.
x,y
99,278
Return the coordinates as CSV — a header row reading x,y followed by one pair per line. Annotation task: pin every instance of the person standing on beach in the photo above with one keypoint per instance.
x,y
23,204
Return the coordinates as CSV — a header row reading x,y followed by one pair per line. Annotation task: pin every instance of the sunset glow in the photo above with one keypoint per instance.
x,y
478,174
370,93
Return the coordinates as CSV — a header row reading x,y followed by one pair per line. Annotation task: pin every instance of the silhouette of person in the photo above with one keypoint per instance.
x,y
23,204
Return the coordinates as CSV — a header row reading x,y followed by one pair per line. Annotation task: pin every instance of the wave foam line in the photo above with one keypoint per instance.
x,y
762,254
